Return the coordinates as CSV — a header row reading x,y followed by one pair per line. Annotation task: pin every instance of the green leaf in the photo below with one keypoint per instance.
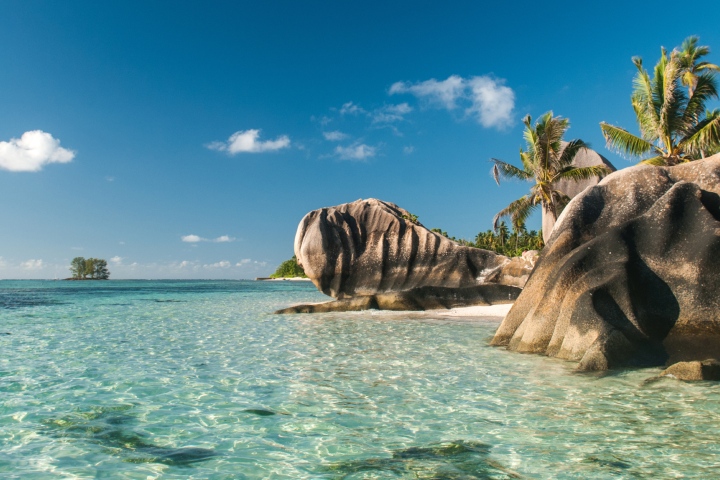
x,y
625,142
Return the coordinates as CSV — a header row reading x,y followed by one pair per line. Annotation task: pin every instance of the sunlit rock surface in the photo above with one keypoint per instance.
x,y
585,158
369,246
630,275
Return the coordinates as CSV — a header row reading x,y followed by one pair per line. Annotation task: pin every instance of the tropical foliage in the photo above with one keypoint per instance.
x,y
89,269
511,243
670,109
289,269
545,161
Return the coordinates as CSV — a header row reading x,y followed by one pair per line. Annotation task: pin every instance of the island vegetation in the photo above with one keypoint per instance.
x,y
89,269
289,269
502,240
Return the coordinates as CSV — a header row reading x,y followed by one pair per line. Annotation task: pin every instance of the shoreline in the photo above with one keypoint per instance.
x,y
284,279
496,312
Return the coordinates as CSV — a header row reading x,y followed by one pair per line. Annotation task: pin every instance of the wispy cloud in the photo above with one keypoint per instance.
x,y
444,93
116,260
335,136
407,150
356,151
32,151
220,264
486,98
350,108
391,113
32,264
250,262
247,141
196,238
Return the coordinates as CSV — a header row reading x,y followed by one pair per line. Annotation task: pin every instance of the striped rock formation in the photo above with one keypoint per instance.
x,y
369,246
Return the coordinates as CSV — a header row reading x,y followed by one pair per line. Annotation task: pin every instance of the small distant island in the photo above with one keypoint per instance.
x,y
88,269
288,270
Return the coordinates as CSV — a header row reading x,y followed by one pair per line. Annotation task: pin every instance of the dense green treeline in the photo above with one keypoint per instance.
x,y
89,268
289,269
503,240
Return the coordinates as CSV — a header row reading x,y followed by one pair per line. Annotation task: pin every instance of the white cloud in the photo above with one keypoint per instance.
x,y
445,92
246,141
242,262
32,151
335,136
408,149
184,264
32,264
3,263
350,108
116,260
110,179
221,264
224,239
355,152
197,238
391,113
490,102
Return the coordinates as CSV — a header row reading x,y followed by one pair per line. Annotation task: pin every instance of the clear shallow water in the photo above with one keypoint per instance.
x,y
179,379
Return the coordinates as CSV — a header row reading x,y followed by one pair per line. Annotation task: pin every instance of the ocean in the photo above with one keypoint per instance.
x,y
198,379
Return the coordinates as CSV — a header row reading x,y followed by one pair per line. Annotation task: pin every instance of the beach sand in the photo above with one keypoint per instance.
x,y
491,313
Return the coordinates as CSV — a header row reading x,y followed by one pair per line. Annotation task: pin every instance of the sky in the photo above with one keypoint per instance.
x,y
188,139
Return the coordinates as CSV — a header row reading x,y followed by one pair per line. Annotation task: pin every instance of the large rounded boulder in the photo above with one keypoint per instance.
x,y
370,246
630,275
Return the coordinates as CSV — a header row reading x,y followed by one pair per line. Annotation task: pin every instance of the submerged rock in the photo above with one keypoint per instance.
x,y
705,370
630,274
369,246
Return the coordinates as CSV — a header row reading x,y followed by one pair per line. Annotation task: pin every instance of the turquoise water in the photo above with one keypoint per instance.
x,y
144,379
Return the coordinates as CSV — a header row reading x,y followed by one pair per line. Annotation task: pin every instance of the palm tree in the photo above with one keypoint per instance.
x,y
546,160
672,129
503,232
692,68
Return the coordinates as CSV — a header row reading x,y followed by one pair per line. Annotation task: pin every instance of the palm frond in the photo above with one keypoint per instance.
x,y
705,136
672,100
506,170
582,173
572,148
706,88
643,103
518,211
658,161
707,66
625,142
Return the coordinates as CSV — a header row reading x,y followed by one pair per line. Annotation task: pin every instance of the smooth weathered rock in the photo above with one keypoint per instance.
x,y
585,158
515,271
370,246
630,275
417,299
693,371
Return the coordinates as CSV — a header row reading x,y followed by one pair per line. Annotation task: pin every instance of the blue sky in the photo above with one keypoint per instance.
x,y
188,139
